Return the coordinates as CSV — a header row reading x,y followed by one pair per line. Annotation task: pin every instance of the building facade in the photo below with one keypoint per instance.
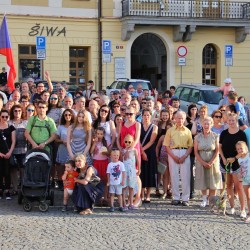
x,y
144,34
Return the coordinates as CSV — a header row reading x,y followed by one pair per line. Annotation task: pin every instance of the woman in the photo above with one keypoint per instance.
x,y
55,109
229,164
85,194
207,172
132,127
242,100
93,109
197,127
148,136
116,109
67,119
16,120
7,145
118,121
103,120
79,136
218,126
192,115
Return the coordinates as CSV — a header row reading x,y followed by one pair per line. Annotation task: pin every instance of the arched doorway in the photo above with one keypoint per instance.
x,y
149,60
209,65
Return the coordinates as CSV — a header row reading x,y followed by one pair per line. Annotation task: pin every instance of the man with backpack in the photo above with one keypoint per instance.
x,y
40,130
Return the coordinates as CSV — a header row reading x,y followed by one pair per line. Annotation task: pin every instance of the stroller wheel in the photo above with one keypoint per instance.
x,y
43,206
51,198
20,197
27,206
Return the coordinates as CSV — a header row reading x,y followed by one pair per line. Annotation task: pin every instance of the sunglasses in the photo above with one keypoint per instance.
x,y
5,117
30,110
129,142
218,116
144,103
67,114
222,110
129,114
116,106
41,107
53,98
104,111
17,111
123,109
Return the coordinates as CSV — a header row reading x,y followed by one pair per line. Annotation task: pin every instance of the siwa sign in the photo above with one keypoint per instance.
x,y
38,30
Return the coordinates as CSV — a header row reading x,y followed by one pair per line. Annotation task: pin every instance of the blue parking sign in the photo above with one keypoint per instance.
x,y
40,42
106,47
228,51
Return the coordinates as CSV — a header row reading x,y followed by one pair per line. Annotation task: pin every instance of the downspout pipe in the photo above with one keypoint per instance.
x,y
99,45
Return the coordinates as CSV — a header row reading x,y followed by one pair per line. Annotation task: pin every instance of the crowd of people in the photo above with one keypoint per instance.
x,y
126,145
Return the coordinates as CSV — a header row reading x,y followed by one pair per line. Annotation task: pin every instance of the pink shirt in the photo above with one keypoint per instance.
x,y
97,152
226,89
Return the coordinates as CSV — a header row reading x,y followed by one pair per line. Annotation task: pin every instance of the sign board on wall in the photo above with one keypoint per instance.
x,y
120,67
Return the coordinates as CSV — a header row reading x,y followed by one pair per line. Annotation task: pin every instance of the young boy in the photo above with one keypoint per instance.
x,y
116,178
68,182
240,111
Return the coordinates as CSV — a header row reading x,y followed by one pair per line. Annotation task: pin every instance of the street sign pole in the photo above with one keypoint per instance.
x,y
228,58
106,56
181,75
182,52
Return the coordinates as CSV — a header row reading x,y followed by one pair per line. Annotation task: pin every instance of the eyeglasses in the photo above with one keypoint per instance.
x,y
222,110
129,114
30,110
67,114
129,142
53,98
123,109
41,107
104,111
40,86
5,117
17,111
218,116
144,103
116,106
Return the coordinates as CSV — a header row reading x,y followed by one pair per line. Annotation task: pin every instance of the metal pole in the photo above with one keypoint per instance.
x,y
227,71
181,76
106,74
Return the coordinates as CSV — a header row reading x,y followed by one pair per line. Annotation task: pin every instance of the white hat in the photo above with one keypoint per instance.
x,y
227,80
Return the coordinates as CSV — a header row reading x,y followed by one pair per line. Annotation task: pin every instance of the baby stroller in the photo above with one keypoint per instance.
x,y
36,180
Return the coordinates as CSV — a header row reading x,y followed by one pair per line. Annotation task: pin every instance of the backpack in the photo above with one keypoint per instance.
x,y
33,125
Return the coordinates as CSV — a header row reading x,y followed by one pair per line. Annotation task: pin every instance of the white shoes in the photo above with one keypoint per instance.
x,y
243,214
204,203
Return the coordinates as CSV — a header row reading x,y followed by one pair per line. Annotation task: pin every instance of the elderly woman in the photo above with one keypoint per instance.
x,y
207,172
85,194
229,164
197,125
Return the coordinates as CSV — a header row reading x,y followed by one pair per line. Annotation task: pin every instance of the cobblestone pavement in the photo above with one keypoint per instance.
x,y
157,225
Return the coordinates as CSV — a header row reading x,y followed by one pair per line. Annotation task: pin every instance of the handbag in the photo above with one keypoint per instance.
x,y
161,168
95,180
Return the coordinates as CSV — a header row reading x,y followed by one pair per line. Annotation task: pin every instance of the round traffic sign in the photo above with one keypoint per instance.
x,y
182,51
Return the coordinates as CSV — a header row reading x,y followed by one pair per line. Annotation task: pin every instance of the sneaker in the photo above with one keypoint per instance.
x,y
203,203
125,208
132,207
243,214
75,210
185,204
175,202
164,196
111,209
8,196
65,208
231,212
121,209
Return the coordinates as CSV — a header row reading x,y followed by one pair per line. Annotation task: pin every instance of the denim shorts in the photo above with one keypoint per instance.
x,y
246,182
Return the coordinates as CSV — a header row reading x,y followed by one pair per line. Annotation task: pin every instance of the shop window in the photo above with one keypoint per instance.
x,y
78,65
209,65
29,66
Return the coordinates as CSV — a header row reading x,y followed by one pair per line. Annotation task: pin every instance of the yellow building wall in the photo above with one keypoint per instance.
x,y
30,2
86,4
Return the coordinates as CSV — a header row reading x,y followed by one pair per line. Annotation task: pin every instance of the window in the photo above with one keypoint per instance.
x,y
185,94
29,66
209,67
78,65
195,96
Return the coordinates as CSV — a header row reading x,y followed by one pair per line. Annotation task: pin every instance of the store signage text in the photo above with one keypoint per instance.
x,y
38,30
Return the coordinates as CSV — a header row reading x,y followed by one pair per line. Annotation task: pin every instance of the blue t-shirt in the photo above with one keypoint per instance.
x,y
247,132
240,108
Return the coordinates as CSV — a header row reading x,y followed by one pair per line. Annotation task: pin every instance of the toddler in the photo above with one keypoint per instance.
x,y
244,162
130,161
116,178
226,88
68,179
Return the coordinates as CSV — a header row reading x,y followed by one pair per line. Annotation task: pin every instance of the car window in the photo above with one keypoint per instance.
x,y
145,85
178,91
185,94
113,85
195,96
210,97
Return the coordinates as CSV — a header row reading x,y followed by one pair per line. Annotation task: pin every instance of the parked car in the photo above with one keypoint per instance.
x,y
123,83
200,94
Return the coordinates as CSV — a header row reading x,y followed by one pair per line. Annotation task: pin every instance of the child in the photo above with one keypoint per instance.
x,y
116,178
156,116
226,88
240,111
69,182
244,162
99,154
130,160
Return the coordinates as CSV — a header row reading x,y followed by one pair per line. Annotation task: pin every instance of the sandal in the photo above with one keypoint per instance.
x,y
86,211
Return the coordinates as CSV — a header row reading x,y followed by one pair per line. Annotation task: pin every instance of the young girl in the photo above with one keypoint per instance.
x,y
69,182
99,154
244,162
156,115
130,161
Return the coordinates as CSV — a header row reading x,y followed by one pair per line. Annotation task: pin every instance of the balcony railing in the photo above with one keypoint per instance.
x,y
187,9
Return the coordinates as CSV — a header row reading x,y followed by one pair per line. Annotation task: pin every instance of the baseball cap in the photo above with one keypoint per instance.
x,y
116,92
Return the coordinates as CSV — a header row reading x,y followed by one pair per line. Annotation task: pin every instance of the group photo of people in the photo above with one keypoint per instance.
x,y
121,150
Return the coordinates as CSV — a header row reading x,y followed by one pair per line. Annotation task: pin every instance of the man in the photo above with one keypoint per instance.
x,y
165,100
150,104
24,101
16,96
40,130
68,102
25,88
146,93
61,92
139,90
179,144
175,103
66,87
116,94
80,105
3,76
131,89
172,90
45,96
90,87
30,82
